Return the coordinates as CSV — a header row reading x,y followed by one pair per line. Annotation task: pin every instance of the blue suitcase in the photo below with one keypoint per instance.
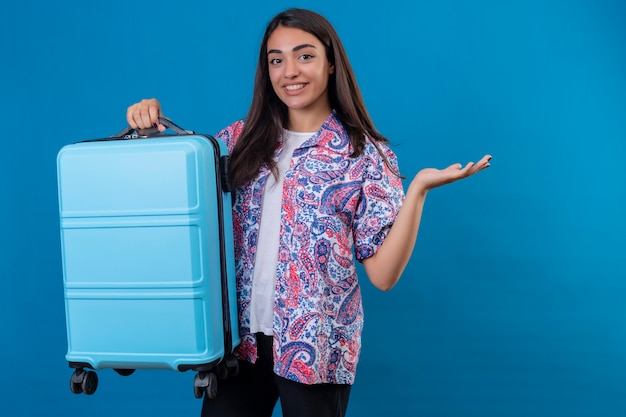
x,y
147,251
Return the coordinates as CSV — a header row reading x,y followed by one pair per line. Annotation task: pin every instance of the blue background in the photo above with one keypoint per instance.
x,y
513,303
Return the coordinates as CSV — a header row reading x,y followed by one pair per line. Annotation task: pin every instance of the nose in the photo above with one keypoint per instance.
x,y
291,68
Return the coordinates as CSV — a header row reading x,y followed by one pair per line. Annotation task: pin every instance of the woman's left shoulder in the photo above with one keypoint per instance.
x,y
230,134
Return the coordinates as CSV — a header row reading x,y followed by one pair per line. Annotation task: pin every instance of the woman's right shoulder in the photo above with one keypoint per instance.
x,y
230,134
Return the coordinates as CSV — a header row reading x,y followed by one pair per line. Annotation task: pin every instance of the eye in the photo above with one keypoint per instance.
x,y
305,57
275,61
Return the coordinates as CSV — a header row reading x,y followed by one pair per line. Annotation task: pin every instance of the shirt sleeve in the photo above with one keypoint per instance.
x,y
230,134
382,195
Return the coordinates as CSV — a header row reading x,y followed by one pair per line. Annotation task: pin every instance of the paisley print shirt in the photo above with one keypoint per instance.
x,y
332,205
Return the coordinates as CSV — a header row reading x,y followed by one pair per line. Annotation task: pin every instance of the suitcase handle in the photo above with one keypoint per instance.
x,y
127,132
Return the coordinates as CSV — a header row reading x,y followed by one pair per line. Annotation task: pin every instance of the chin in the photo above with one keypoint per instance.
x,y
296,106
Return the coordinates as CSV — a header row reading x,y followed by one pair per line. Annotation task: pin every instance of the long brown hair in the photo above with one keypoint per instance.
x,y
267,116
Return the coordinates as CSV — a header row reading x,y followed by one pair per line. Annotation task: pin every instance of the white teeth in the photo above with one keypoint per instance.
x,y
294,87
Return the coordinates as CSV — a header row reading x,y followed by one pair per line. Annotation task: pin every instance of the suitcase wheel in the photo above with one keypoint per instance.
x,y
232,364
205,383
227,368
221,371
83,382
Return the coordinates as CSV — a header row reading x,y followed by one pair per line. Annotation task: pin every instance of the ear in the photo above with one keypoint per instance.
x,y
331,69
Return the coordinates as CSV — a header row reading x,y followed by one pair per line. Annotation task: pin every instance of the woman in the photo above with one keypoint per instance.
x,y
309,151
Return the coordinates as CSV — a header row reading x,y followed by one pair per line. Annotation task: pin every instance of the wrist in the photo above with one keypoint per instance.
x,y
417,188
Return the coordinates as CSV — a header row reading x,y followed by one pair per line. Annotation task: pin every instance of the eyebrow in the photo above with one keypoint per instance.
x,y
295,49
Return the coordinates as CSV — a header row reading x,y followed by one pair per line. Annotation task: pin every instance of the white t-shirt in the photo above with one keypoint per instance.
x,y
264,278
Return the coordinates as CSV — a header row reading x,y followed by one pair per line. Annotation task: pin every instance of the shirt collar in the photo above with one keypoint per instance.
x,y
331,134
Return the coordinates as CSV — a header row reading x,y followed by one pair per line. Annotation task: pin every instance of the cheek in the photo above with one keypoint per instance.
x,y
323,76
274,79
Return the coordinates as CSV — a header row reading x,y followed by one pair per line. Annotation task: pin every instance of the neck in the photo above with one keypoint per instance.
x,y
306,120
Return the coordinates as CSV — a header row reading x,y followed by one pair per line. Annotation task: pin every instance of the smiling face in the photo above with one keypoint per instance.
x,y
299,72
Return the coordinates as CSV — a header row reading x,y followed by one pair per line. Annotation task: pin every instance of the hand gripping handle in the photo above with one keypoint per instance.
x,y
152,131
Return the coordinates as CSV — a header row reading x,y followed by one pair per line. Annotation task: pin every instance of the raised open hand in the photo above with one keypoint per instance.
x,y
429,178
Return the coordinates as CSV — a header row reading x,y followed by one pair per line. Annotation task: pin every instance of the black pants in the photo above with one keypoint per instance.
x,y
255,391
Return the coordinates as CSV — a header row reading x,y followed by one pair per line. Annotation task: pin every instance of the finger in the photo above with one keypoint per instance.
x,y
484,162
135,116
467,170
454,167
480,165
154,112
161,126
130,116
146,113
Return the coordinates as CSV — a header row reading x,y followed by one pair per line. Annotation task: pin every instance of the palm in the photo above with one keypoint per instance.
x,y
431,178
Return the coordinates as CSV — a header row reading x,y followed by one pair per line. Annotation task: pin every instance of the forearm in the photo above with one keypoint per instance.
x,y
385,267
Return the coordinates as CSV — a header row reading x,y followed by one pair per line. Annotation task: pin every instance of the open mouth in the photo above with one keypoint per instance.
x,y
294,87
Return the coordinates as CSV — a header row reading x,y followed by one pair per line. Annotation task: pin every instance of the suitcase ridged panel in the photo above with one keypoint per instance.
x,y
125,178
